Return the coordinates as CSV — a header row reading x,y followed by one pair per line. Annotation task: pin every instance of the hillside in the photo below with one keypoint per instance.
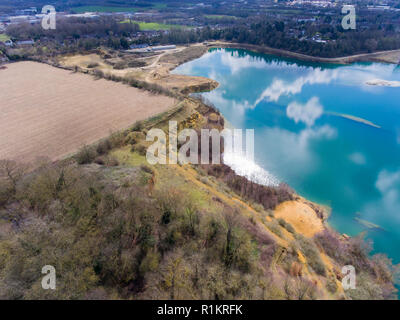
x,y
115,227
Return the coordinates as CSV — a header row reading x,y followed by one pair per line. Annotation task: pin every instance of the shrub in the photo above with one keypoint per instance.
x,y
149,262
191,219
286,225
213,229
98,74
274,227
130,139
147,169
144,178
205,180
366,289
136,64
169,202
103,146
141,149
269,197
11,173
258,207
120,65
290,228
117,140
331,285
93,65
135,137
138,126
111,161
85,155
353,251
310,250
5,192
100,160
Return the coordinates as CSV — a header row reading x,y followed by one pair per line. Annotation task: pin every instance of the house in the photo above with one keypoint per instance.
x,y
86,15
30,11
19,19
139,46
5,19
160,48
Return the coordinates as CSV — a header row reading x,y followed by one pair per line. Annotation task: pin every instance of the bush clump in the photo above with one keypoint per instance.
x,y
141,149
103,146
93,65
286,225
274,227
86,155
310,250
147,169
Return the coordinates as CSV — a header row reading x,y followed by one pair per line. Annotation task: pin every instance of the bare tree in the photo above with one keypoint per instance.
x,y
231,221
12,172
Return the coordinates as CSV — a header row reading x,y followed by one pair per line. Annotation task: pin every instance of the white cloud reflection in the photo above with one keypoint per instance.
x,y
280,87
388,184
293,150
307,113
349,75
237,63
358,158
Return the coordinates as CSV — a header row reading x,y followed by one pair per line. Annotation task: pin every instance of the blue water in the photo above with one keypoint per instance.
x,y
303,135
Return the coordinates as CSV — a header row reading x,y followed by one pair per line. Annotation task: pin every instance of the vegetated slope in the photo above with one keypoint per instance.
x,y
53,112
115,227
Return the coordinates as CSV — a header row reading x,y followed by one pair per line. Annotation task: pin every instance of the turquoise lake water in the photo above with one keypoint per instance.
x,y
306,134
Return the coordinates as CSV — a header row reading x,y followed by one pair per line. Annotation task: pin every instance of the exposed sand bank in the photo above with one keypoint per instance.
x,y
354,118
383,83
301,216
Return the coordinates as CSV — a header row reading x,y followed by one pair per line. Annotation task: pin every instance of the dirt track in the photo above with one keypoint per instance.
x,y
52,112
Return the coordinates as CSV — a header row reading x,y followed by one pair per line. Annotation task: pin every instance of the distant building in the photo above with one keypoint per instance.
x,y
18,19
25,43
30,11
4,19
160,48
306,20
139,46
87,15
147,48
378,8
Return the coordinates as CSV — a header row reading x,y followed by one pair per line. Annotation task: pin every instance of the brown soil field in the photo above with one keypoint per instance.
x,y
51,112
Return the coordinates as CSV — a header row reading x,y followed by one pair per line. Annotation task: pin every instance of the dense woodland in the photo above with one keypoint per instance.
x,y
78,34
273,35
